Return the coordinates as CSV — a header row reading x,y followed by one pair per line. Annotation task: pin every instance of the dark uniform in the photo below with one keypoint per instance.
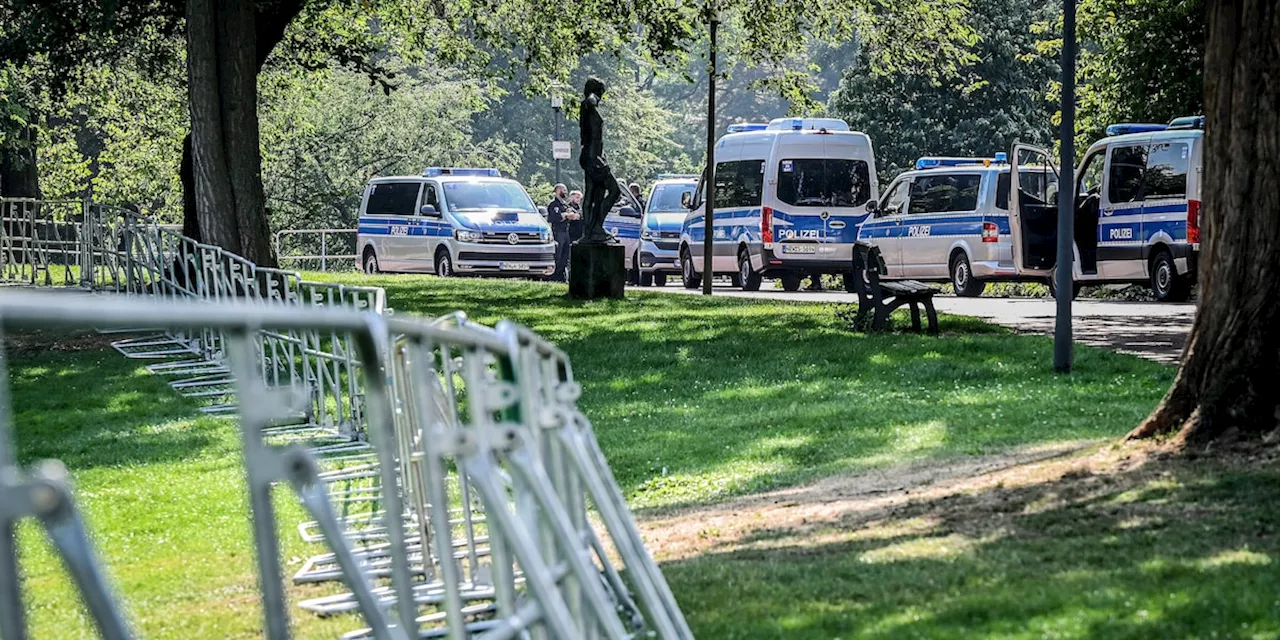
x,y
560,232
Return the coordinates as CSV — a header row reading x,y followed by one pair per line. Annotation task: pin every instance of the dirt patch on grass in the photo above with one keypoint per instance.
x,y
29,343
974,498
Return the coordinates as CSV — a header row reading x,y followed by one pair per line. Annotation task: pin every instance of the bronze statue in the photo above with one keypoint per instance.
x,y
601,191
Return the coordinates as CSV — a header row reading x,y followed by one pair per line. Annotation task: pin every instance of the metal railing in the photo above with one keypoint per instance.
x,y
324,258
443,464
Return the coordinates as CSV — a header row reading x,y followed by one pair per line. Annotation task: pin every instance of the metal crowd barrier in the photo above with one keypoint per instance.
x,y
322,256
476,429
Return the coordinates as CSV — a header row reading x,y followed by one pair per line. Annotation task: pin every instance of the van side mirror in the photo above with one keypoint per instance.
x,y
872,206
628,212
686,199
428,210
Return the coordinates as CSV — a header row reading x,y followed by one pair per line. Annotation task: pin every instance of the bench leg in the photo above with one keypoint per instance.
x,y
882,317
933,316
915,316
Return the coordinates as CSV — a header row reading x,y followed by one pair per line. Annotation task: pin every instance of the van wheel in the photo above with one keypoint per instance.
x,y
962,279
660,279
1165,281
746,275
791,282
850,283
633,274
444,264
1053,285
371,262
646,279
690,278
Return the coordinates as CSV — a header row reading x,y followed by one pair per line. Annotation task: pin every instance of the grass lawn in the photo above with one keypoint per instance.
x,y
697,403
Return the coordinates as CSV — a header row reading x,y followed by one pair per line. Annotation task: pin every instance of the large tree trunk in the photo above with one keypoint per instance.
x,y
19,177
222,84
1232,359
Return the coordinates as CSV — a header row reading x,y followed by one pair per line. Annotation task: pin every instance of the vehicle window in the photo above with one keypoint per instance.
x,y
1128,164
430,196
824,182
1167,170
666,197
892,203
1091,175
482,195
944,193
739,183
392,199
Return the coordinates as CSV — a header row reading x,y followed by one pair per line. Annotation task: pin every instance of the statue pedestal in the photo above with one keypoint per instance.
x,y
597,271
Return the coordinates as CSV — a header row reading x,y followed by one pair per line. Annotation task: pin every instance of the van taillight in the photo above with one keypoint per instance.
x,y
766,224
990,232
1193,221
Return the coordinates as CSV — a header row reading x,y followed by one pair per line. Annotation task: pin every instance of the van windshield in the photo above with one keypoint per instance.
x,y
824,182
666,197
481,195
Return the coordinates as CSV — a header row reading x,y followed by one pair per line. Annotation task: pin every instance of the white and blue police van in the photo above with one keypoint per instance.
x,y
660,228
453,221
1137,210
948,220
789,198
623,223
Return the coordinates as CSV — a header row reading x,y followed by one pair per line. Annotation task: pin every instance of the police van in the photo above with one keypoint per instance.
x,y
453,221
789,198
623,223
948,220
1137,210
660,229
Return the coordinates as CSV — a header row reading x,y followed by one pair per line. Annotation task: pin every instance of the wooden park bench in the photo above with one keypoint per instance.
x,y
879,299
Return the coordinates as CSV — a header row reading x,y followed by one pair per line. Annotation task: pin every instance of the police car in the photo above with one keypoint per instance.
x,y
790,196
948,220
660,229
1137,210
453,221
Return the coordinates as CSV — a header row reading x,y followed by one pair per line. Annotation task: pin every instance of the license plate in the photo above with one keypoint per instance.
x,y
514,266
799,248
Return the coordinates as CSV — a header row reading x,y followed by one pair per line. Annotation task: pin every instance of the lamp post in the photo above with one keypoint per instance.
x,y
709,184
557,103
1064,272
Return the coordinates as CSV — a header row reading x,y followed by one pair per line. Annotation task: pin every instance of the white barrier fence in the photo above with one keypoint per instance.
x,y
486,533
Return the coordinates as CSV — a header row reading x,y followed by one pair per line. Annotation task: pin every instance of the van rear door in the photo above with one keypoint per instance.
x,y
1033,208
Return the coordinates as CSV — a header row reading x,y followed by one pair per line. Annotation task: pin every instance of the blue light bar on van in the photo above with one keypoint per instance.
x,y
1001,157
1187,122
1121,129
677,176
934,162
740,127
812,124
432,172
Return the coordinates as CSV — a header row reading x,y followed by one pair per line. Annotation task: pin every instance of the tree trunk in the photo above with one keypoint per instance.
x,y
19,177
222,84
1232,359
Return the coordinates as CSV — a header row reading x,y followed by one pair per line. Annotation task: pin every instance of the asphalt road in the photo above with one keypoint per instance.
x,y
1157,331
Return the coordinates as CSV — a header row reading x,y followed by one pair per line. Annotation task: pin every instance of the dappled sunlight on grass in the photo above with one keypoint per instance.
x,y
696,385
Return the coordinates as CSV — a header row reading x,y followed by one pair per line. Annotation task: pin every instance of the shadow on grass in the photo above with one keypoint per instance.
x,y
1173,549
77,400
695,399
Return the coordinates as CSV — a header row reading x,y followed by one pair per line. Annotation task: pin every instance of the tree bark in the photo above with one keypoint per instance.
x,y
222,68
19,177
1232,359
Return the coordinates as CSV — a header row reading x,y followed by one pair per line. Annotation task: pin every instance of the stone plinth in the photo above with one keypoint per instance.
x,y
597,271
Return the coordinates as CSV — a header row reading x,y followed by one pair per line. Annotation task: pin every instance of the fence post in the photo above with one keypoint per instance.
x,y
324,252
84,239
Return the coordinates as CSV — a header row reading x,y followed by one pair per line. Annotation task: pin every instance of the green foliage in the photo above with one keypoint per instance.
x,y
1138,62
995,100
325,133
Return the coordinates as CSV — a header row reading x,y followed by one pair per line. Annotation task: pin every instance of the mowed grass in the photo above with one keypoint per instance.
x,y
693,401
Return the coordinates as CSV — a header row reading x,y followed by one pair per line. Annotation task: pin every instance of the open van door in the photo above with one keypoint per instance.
x,y
1033,210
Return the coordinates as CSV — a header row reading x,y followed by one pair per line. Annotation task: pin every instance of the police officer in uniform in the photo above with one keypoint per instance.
x,y
559,230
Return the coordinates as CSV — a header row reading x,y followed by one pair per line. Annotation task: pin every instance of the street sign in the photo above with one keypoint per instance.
x,y
560,150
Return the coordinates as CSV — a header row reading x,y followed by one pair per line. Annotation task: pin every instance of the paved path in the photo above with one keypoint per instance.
x,y
1147,329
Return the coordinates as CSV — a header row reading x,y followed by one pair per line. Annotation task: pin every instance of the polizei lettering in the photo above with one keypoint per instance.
x,y
918,231
1123,233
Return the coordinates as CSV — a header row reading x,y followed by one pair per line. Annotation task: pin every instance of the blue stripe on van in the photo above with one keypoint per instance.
x,y
939,226
731,224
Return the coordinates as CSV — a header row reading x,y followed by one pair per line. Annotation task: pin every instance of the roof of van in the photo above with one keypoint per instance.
x,y
445,178
1168,134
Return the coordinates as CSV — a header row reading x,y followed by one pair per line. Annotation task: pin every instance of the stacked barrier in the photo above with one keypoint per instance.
x,y
486,533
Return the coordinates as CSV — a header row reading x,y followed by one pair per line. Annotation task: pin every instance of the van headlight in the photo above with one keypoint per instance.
x,y
646,234
467,236
544,236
